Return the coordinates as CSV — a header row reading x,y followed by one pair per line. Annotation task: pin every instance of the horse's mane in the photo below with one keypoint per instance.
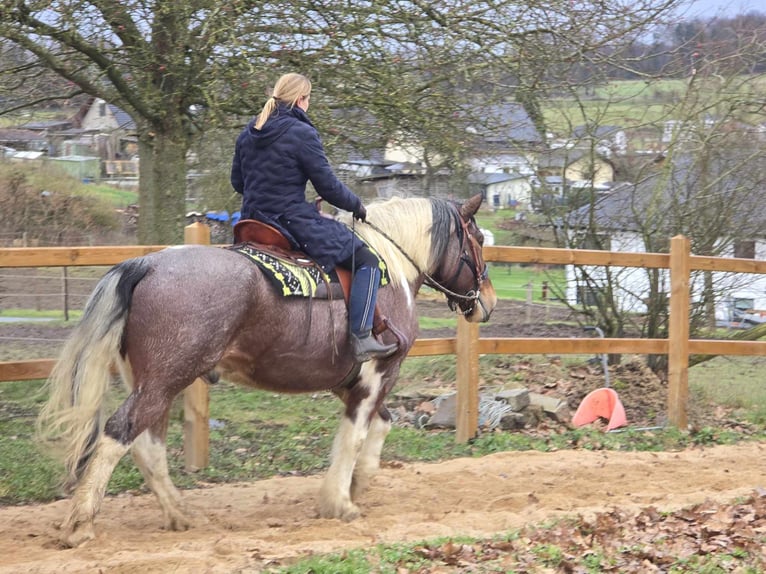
x,y
420,227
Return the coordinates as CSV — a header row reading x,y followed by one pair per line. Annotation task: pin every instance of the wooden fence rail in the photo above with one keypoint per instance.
x,y
467,344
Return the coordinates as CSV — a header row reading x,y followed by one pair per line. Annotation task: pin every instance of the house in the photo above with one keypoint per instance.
x,y
505,140
23,139
500,139
575,164
501,190
728,215
106,131
606,140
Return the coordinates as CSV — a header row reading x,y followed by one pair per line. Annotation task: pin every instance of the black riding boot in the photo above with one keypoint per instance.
x,y
361,309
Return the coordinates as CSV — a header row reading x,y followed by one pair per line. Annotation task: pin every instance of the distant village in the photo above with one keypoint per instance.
x,y
510,165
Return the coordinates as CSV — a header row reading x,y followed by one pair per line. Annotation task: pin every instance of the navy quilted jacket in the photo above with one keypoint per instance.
x,y
270,169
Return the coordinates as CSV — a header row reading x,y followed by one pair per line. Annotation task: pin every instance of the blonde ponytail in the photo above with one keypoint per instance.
x,y
289,89
268,109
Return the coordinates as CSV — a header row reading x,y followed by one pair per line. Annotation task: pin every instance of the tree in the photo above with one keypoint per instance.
x,y
706,182
177,68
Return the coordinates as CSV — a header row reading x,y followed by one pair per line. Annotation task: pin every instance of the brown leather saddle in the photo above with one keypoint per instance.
x,y
269,239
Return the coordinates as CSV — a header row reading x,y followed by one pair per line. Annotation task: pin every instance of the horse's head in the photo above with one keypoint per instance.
x,y
461,273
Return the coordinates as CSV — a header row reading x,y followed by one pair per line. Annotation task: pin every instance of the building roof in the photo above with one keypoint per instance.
x,y
560,157
123,119
501,125
10,135
676,201
492,178
601,132
47,125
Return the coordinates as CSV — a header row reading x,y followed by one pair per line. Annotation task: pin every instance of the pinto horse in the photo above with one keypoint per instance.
x,y
165,319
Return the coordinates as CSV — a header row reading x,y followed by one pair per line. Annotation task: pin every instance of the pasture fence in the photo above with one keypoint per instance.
x,y
467,345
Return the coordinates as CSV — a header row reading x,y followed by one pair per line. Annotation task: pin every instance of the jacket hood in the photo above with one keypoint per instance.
x,y
276,126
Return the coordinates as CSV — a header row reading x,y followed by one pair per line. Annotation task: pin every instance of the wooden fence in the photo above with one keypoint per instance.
x,y
466,345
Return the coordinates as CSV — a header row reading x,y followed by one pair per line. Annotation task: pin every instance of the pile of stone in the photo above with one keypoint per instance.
x,y
507,409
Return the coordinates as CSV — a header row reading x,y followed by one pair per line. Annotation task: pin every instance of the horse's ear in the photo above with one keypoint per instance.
x,y
470,207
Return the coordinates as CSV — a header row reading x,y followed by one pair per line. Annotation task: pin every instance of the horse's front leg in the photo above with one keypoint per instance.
x,y
361,400
369,458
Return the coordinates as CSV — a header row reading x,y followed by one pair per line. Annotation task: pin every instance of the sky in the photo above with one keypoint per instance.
x,y
727,8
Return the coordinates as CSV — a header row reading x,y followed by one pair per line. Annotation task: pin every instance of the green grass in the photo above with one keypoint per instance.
x,y
113,195
735,382
40,314
517,281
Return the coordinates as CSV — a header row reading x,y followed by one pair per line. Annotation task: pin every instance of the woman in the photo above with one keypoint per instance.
x,y
275,156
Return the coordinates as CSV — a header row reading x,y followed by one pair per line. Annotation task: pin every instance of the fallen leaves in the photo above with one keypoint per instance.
x,y
727,536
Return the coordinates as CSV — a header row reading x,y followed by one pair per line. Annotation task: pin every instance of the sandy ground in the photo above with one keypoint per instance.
x,y
250,527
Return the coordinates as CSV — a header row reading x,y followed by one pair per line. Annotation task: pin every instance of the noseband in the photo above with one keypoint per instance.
x,y
453,298
446,287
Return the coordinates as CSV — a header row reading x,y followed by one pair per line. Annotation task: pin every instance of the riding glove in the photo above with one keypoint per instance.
x,y
360,212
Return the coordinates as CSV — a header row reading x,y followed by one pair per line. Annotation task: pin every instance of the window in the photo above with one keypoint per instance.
x,y
744,249
587,296
102,109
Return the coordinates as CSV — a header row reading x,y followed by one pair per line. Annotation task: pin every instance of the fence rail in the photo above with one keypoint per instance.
x,y
466,345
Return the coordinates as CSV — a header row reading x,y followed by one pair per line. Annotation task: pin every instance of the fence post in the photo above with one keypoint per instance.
x,y
467,408
678,332
196,398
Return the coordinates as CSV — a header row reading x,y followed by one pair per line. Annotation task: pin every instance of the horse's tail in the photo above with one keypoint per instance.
x,y
72,418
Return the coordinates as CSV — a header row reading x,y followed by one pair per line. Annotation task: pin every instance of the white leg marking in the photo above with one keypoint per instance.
x,y
335,494
369,459
78,526
151,457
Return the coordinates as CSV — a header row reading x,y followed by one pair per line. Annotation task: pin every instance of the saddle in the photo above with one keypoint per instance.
x,y
266,238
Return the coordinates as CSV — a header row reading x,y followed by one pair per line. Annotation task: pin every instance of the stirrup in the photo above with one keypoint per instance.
x,y
367,347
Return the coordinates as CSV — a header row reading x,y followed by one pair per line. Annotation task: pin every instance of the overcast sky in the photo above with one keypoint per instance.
x,y
711,8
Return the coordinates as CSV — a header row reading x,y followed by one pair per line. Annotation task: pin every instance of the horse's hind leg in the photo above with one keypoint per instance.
x,y
150,454
135,415
86,501
369,457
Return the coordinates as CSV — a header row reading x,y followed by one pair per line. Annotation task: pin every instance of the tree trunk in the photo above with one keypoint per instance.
x,y
162,186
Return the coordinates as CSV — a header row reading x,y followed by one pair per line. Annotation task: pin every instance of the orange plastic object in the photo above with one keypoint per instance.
x,y
602,403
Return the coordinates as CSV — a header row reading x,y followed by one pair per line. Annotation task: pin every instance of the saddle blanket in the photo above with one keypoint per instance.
x,y
288,277
299,277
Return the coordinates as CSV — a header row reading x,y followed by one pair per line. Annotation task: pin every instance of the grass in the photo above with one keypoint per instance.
x,y
52,314
113,195
257,434
519,281
735,382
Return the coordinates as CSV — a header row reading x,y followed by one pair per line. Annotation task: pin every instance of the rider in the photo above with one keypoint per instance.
x,y
275,156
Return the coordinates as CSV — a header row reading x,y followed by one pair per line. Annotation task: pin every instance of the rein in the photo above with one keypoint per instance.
x,y
472,296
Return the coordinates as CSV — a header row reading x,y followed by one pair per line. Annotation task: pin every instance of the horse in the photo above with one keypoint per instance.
x,y
160,321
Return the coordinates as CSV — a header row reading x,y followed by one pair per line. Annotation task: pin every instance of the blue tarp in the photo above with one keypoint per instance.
x,y
218,215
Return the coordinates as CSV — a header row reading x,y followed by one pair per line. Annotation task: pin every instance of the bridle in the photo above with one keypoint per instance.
x,y
446,287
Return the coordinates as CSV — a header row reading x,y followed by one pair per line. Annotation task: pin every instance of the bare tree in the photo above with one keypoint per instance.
x,y
177,67
706,181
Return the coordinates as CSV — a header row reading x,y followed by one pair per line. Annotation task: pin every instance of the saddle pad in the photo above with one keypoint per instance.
x,y
290,279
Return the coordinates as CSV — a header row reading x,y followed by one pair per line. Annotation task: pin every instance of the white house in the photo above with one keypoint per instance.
x,y
622,216
502,190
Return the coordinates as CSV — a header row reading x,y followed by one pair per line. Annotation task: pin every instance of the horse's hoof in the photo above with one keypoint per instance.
x,y
345,512
78,535
183,518
178,523
351,513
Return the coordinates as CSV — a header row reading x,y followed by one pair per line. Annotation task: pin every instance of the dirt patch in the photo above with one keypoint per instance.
x,y
249,527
